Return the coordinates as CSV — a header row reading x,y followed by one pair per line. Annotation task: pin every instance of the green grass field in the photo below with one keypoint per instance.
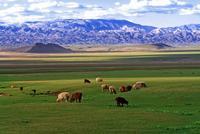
x,y
170,103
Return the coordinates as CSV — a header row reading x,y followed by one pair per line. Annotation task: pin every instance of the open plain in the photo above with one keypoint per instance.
x,y
169,104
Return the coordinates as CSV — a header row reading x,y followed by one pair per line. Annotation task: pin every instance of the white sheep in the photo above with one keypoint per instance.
x,y
104,87
63,96
99,79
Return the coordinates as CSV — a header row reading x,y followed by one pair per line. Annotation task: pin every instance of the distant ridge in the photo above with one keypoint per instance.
x,y
161,45
95,31
48,48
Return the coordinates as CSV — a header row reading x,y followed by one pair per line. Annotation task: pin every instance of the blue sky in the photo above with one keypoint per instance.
x,y
159,13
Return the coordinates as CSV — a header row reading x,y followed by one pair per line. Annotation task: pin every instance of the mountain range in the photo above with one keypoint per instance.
x,y
94,31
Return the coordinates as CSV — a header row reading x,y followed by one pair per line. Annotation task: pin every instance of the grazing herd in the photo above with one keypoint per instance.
x,y
112,90
77,96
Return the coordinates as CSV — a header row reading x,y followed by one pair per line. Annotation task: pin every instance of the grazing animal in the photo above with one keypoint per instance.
x,y
21,88
139,85
121,101
63,97
34,91
112,90
105,87
122,89
5,94
77,96
13,86
87,81
99,79
128,88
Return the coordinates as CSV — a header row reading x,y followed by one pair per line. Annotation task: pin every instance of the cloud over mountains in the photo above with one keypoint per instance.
x,y
18,11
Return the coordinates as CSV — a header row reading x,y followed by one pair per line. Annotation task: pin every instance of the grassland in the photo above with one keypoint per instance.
x,y
170,103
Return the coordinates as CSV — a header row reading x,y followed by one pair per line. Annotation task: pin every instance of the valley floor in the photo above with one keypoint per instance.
x,y
170,103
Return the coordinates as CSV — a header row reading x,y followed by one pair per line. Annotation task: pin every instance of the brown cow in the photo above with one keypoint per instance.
x,y
77,96
121,101
122,89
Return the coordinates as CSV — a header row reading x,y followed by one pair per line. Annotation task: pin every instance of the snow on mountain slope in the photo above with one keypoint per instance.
x,y
94,31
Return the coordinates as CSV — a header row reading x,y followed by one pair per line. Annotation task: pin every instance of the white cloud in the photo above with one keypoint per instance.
x,y
38,1
26,10
133,4
69,4
42,6
190,11
181,3
8,0
117,3
94,6
160,2
5,4
166,2
16,9
141,4
21,19
98,12
94,13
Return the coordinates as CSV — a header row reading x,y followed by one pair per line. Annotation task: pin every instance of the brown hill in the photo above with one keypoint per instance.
x,y
48,48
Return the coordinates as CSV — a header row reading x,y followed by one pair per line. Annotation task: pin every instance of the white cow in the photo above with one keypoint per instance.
x,y
63,96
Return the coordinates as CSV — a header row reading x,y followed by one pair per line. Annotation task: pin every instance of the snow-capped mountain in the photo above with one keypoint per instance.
x,y
187,34
97,31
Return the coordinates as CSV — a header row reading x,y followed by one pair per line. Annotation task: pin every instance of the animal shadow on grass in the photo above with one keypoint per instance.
x,y
125,106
